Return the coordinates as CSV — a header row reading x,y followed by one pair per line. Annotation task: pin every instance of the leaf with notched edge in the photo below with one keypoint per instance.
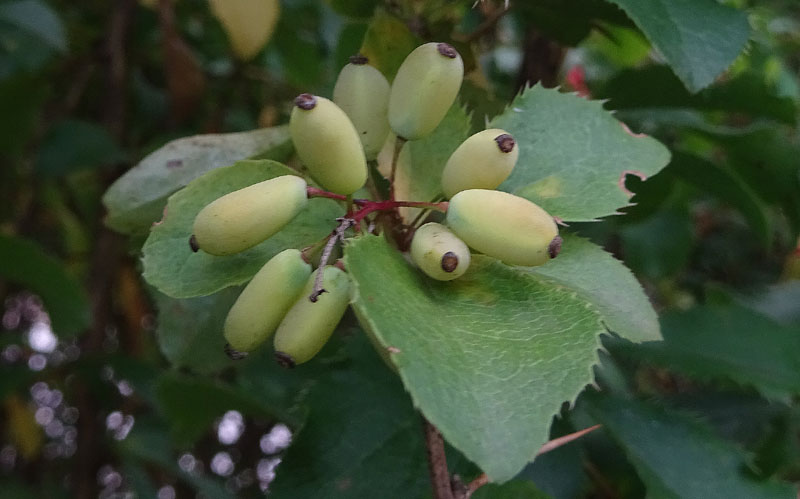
x,y
699,38
573,155
488,358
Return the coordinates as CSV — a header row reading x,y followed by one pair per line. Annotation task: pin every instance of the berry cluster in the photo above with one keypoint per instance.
x,y
335,140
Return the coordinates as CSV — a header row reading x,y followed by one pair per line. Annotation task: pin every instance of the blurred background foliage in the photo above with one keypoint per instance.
x,y
110,389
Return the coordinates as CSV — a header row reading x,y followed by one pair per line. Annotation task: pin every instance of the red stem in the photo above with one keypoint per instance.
x,y
314,192
370,206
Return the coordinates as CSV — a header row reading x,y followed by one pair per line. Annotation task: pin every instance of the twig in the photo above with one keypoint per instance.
x,y
336,236
437,462
558,442
488,24
371,206
483,479
314,192
106,254
474,485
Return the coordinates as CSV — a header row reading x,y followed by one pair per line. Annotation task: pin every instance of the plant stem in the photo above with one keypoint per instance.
x,y
313,192
474,485
423,215
558,442
370,206
437,462
336,236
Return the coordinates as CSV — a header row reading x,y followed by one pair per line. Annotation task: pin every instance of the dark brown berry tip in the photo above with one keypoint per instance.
x,y
285,360
193,244
449,261
555,246
305,101
505,142
234,354
359,59
447,50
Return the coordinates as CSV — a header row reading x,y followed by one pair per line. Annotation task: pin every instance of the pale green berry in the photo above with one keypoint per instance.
x,y
309,324
425,87
328,144
241,219
504,226
265,300
483,161
439,253
362,92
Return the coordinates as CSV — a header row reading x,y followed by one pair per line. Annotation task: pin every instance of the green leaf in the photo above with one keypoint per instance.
x,y
488,358
573,155
387,43
137,198
656,87
421,162
569,21
73,144
191,404
726,185
767,162
698,38
349,43
677,456
656,120
362,436
23,262
517,489
297,43
560,472
660,245
190,330
606,283
172,267
36,18
727,342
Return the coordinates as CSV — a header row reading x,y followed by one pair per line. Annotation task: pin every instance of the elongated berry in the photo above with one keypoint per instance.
x,y
308,325
248,23
483,161
439,253
265,300
425,87
504,226
241,219
362,92
328,144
